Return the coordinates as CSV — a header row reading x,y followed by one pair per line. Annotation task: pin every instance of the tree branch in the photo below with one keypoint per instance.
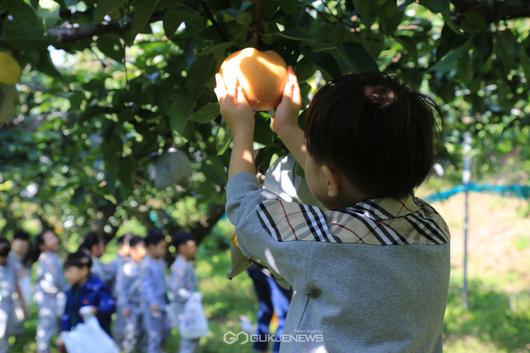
x,y
256,24
72,34
494,10
216,24
203,228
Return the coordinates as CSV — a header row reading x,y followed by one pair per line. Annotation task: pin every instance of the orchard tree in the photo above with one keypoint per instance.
x,y
111,88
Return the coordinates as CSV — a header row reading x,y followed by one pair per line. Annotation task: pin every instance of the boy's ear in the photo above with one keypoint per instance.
x,y
331,180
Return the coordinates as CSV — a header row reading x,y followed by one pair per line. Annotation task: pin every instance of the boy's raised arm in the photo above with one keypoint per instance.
x,y
285,121
240,119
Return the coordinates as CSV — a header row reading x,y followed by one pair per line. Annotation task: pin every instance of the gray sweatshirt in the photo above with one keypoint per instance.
x,y
368,278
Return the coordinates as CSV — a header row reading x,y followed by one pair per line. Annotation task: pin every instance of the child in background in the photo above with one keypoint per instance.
x,y
153,291
121,258
114,269
86,290
8,285
182,283
128,294
370,272
18,262
94,245
49,289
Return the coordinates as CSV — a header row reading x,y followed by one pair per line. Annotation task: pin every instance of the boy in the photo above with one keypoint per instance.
x,y
128,293
8,285
95,247
17,261
50,286
114,269
182,283
370,273
153,291
85,290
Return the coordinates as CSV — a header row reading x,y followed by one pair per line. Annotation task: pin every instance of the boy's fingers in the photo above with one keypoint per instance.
x,y
297,98
288,89
241,99
220,88
231,85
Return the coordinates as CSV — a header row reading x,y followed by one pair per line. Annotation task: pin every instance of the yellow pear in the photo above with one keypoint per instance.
x,y
262,75
10,71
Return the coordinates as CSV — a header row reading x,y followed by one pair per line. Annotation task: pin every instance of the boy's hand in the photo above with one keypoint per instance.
x,y
240,119
286,115
234,107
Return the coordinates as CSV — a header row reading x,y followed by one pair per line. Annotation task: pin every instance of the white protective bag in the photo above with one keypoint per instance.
x,y
88,337
193,323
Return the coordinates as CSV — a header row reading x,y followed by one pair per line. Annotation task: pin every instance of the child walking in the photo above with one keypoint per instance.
x,y
182,283
18,261
370,271
8,284
49,289
152,275
85,289
128,293
114,268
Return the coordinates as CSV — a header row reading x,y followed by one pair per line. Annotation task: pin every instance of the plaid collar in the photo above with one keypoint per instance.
x,y
386,207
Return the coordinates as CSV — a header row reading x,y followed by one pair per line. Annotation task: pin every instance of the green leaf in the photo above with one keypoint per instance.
x,y
171,21
179,113
436,6
214,170
390,16
216,48
105,7
142,14
200,73
23,22
367,8
449,39
8,102
449,62
327,65
206,113
473,22
111,45
360,59
525,64
504,49
222,140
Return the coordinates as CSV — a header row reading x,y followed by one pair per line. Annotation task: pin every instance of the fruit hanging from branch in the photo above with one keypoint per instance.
x,y
262,75
170,168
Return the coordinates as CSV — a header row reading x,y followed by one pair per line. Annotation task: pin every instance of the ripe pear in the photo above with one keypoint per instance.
x,y
261,74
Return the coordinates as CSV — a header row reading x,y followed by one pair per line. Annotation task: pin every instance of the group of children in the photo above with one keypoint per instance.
x,y
132,297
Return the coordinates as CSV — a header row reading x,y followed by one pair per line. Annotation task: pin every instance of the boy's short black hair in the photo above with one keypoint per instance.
x,y
78,259
135,241
21,235
90,239
124,239
5,247
375,131
181,237
154,237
